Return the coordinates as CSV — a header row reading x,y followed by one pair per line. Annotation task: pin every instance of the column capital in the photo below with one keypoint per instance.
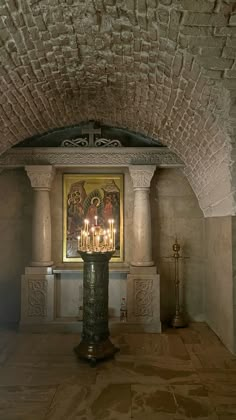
x,y
141,175
40,176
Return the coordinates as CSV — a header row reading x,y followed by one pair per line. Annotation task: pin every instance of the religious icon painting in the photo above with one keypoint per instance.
x,y
98,199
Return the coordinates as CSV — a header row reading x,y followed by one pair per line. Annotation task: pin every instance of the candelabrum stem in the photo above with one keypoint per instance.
x,y
179,319
177,306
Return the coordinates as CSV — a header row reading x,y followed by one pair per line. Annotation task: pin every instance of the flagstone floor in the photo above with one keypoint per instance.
x,y
177,375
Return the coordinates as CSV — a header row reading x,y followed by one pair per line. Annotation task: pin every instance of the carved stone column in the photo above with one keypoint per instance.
x,y
142,250
37,284
143,282
41,179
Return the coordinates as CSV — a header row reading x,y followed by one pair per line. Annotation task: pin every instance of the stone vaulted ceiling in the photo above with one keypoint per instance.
x,y
164,68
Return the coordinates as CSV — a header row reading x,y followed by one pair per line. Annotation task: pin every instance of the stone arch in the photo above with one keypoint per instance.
x,y
62,64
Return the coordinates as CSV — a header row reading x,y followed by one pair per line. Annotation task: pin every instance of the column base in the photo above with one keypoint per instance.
x,y
94,352
142,264
37,295
179,321
41,263
143,298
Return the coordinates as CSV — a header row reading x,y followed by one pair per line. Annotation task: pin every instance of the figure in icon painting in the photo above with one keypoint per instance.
x,y
97,202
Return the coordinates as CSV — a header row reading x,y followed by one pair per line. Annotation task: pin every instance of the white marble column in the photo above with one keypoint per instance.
x,y
41,177
142,239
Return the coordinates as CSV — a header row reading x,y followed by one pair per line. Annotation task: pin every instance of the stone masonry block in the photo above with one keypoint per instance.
x,y
216,63
204,19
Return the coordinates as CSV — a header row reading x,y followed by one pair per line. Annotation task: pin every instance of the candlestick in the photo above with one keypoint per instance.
x,y
179,320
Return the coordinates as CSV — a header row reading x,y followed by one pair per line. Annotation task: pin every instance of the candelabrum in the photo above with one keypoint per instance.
x,y
179,319
96,238
96,253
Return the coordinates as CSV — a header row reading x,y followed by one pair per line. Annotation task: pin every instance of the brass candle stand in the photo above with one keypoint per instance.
x,y
179,320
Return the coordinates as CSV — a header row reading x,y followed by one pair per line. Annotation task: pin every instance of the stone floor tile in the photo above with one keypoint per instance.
x,y
108,402
144,345
195,360
144,372
121,372
224,404
207,337
176,347
153,402
219,381
189,336
36,376
213,356
22,403
188,365
7,345
46,343
194,402
167,374
23,411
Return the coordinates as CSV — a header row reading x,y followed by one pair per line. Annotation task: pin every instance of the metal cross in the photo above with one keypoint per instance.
x,y
91,131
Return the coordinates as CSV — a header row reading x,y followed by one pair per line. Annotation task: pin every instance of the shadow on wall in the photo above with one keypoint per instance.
x,y
15,229
175,212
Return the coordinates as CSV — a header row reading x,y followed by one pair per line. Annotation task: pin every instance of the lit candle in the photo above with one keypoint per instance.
x,y
114,238
84,239
86,223
112,229
96,220
93,232
78,237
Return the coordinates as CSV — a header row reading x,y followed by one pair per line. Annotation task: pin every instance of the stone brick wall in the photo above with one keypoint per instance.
x,y
164,68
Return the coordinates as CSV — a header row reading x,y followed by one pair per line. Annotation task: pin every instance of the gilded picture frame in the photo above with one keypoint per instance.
x,y
86,196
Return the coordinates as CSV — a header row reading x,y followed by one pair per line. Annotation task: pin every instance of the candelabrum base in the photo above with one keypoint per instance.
x,y
94,352
179,321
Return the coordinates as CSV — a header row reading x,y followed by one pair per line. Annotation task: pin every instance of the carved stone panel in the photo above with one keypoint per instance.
x,y
37,298
143,299
143,290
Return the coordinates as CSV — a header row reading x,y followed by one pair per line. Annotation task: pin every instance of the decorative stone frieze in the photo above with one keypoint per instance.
x,y
68,156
